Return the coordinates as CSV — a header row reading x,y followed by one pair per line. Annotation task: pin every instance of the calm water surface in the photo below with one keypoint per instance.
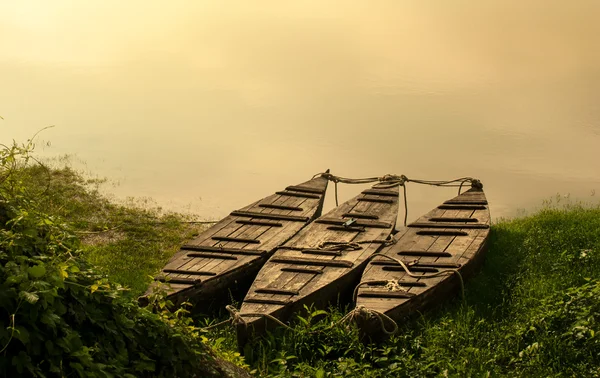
x,y
209,105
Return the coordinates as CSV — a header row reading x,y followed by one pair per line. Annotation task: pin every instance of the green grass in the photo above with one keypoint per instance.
x,y
130,241
532,310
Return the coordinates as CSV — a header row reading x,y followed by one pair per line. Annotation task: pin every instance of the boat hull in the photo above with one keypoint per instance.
x,y
449,241
235,248
321,261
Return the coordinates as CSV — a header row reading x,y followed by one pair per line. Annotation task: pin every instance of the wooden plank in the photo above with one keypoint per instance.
x,y
251,214
400,283
236,240
303,261
461,207
453,219
449,225
233,251
266,290
442,232
266,301
212,256
321,252
280,207
346,229
304,189
196,273
299,194
424,253
185,281
301,270
361,223
373,199
385,294
259,223
360,216
381,192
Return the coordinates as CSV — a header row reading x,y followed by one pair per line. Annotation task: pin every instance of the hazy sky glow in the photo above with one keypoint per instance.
x,y
191,99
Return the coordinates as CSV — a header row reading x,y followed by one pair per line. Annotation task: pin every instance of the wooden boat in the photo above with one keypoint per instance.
x,y
236,247
323,259
452,237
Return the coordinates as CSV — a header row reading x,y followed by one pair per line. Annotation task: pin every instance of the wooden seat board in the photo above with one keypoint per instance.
x,y
271,276
462,249
229,228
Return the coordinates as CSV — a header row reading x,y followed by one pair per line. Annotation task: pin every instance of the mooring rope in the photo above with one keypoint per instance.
x,y
362,311
391,181
411,274
236,318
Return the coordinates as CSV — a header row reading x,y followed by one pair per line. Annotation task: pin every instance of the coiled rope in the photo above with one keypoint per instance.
x,y
393,285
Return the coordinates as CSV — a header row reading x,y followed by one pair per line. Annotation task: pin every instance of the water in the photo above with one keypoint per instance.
x,y
209,105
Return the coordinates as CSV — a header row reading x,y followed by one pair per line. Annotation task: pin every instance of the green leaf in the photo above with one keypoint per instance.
x,y
36,271
29,297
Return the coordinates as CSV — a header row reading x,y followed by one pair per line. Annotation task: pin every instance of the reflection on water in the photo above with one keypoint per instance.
x,y
210,105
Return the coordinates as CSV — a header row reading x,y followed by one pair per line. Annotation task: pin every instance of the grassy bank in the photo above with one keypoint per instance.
x,y
59,314
533,310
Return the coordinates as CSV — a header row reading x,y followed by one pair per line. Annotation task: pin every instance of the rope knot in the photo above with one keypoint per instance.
x,y
234,313
475,183
393,285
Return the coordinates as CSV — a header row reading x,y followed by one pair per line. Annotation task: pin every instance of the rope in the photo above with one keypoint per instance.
x,y
343,246
411,274
391,285
362,311
236,318
389,181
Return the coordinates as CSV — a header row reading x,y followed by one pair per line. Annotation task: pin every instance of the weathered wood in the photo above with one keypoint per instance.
x,y
373,199
196,273
453,219
233,251
442,232
424,253
281,217
360,216
323,262
321,252
227,251
211,256
398,282
234,239
301,270
280,207
267,290
445,241
186,281
304,189
266,301
467,202
259,223
448,225
385,294
381,192
346,229
360,223
461,207
319,279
